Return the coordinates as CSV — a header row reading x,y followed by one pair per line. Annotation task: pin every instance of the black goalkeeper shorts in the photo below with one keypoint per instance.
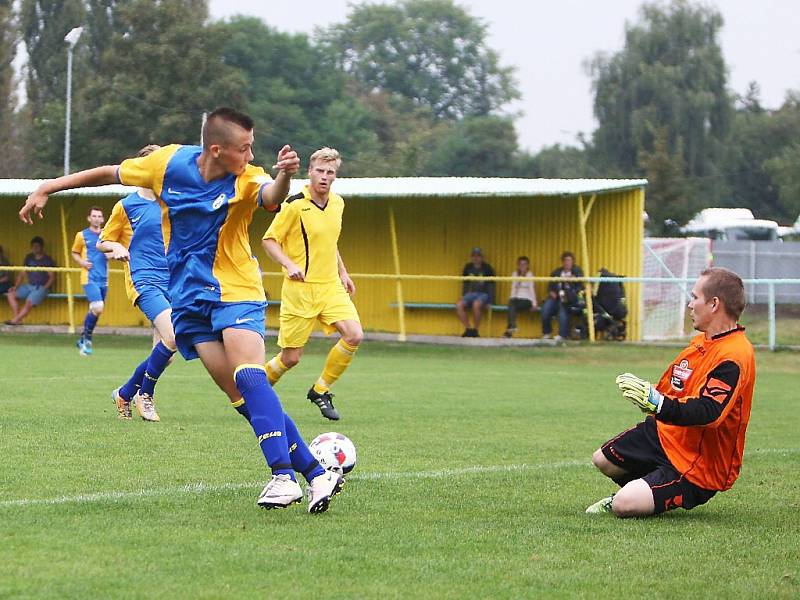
x,y
638,450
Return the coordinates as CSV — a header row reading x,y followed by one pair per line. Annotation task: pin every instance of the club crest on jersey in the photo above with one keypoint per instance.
x,y
680,373
219,201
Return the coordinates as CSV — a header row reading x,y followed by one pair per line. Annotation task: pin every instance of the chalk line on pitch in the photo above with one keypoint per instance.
x,y
202,488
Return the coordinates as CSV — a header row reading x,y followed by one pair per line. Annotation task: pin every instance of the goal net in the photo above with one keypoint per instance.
x,y
664,304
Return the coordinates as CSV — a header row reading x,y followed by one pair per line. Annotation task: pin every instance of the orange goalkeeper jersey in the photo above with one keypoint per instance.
x,y
707,392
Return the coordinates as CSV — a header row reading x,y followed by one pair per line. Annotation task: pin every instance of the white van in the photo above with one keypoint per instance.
x,y
731,224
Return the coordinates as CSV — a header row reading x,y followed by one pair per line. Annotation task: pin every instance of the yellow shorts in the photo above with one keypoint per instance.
x,y
303,303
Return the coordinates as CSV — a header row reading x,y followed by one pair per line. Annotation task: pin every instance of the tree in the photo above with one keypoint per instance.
x,y
665,92
560,162
8,120
293,91
44,23
476,147
162,68
429,51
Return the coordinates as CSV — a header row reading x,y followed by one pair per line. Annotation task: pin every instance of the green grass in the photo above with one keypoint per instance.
x,y
402,528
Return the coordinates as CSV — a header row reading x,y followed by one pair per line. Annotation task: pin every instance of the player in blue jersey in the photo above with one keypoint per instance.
x,y
133,235
94,276
208,196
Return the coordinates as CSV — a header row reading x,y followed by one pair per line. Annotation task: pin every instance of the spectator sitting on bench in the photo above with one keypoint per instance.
x,y
5,276
39,282
475,294
563,296
523,295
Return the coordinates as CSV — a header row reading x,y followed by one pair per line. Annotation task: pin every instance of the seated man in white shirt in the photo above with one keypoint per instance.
x,y
523,295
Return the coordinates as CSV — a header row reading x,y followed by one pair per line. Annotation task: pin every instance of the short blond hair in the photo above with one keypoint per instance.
x,y
326,155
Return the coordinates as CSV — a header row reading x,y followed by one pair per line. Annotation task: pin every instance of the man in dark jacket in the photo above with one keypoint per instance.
x,y
475,294
564,296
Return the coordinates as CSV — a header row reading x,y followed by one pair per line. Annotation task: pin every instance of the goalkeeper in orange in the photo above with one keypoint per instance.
x,y
303,238
690,445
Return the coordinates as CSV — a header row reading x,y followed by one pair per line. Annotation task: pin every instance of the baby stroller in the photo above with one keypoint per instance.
x,y
610,309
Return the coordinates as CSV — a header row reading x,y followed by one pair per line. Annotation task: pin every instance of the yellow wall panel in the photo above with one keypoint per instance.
x,y
435,235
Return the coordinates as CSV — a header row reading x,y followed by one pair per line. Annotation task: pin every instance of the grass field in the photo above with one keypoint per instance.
x,y
472,480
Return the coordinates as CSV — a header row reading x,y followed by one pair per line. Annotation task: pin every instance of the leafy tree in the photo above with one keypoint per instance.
x,y
293,91
8,120
477,147
44,23
430,51
665,92
162,68
560,162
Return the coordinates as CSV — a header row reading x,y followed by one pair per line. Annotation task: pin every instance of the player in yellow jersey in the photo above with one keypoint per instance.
x,y
303,239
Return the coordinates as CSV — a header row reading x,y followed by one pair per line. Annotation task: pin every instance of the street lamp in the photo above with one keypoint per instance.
x,y
71,38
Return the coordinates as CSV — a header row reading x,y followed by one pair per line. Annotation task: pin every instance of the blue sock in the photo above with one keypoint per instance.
x,y
89,324
302,459
266,417
128,391
241,408
158,361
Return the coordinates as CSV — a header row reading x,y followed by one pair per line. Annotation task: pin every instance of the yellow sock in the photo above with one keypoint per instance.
x,y
338,360
275,369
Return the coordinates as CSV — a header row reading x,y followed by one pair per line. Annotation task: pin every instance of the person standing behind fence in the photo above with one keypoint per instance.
x,y
39,283
523,295
563,297
475,294
94,276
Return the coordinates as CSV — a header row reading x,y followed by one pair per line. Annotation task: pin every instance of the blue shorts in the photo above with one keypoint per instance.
x,y
205,320
35,294
471,297
95,292
152,301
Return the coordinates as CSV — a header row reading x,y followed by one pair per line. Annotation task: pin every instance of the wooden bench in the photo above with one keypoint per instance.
x,y
491,308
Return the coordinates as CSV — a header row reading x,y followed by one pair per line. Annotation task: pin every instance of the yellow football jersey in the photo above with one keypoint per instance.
x,y
309,235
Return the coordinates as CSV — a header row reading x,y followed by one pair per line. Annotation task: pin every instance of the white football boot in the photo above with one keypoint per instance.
x,y
321,489
281,491
146,407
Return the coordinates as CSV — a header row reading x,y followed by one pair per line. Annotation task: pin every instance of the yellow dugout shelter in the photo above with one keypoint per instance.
x,y
394,229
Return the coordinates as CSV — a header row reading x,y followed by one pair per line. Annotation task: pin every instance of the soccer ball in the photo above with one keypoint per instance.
x,y
334,451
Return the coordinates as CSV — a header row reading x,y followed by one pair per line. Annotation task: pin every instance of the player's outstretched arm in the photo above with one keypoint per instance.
x,y
287,165
35,203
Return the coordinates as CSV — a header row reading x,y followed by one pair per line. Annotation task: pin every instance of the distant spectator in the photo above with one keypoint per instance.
x,y
38,286
523,295
475,294
564,297
5,276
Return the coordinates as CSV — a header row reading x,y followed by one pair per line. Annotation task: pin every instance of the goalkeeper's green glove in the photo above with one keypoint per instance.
x,y
641,393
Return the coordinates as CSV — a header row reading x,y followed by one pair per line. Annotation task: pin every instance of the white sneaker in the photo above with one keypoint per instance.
x,y
547,336
146,407
321,489
558,339
281,491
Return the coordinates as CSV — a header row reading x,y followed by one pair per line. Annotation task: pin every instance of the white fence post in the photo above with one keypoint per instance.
x,y
771,289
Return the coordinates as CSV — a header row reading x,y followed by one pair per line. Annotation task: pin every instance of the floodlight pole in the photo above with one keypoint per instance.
x,y
71,38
